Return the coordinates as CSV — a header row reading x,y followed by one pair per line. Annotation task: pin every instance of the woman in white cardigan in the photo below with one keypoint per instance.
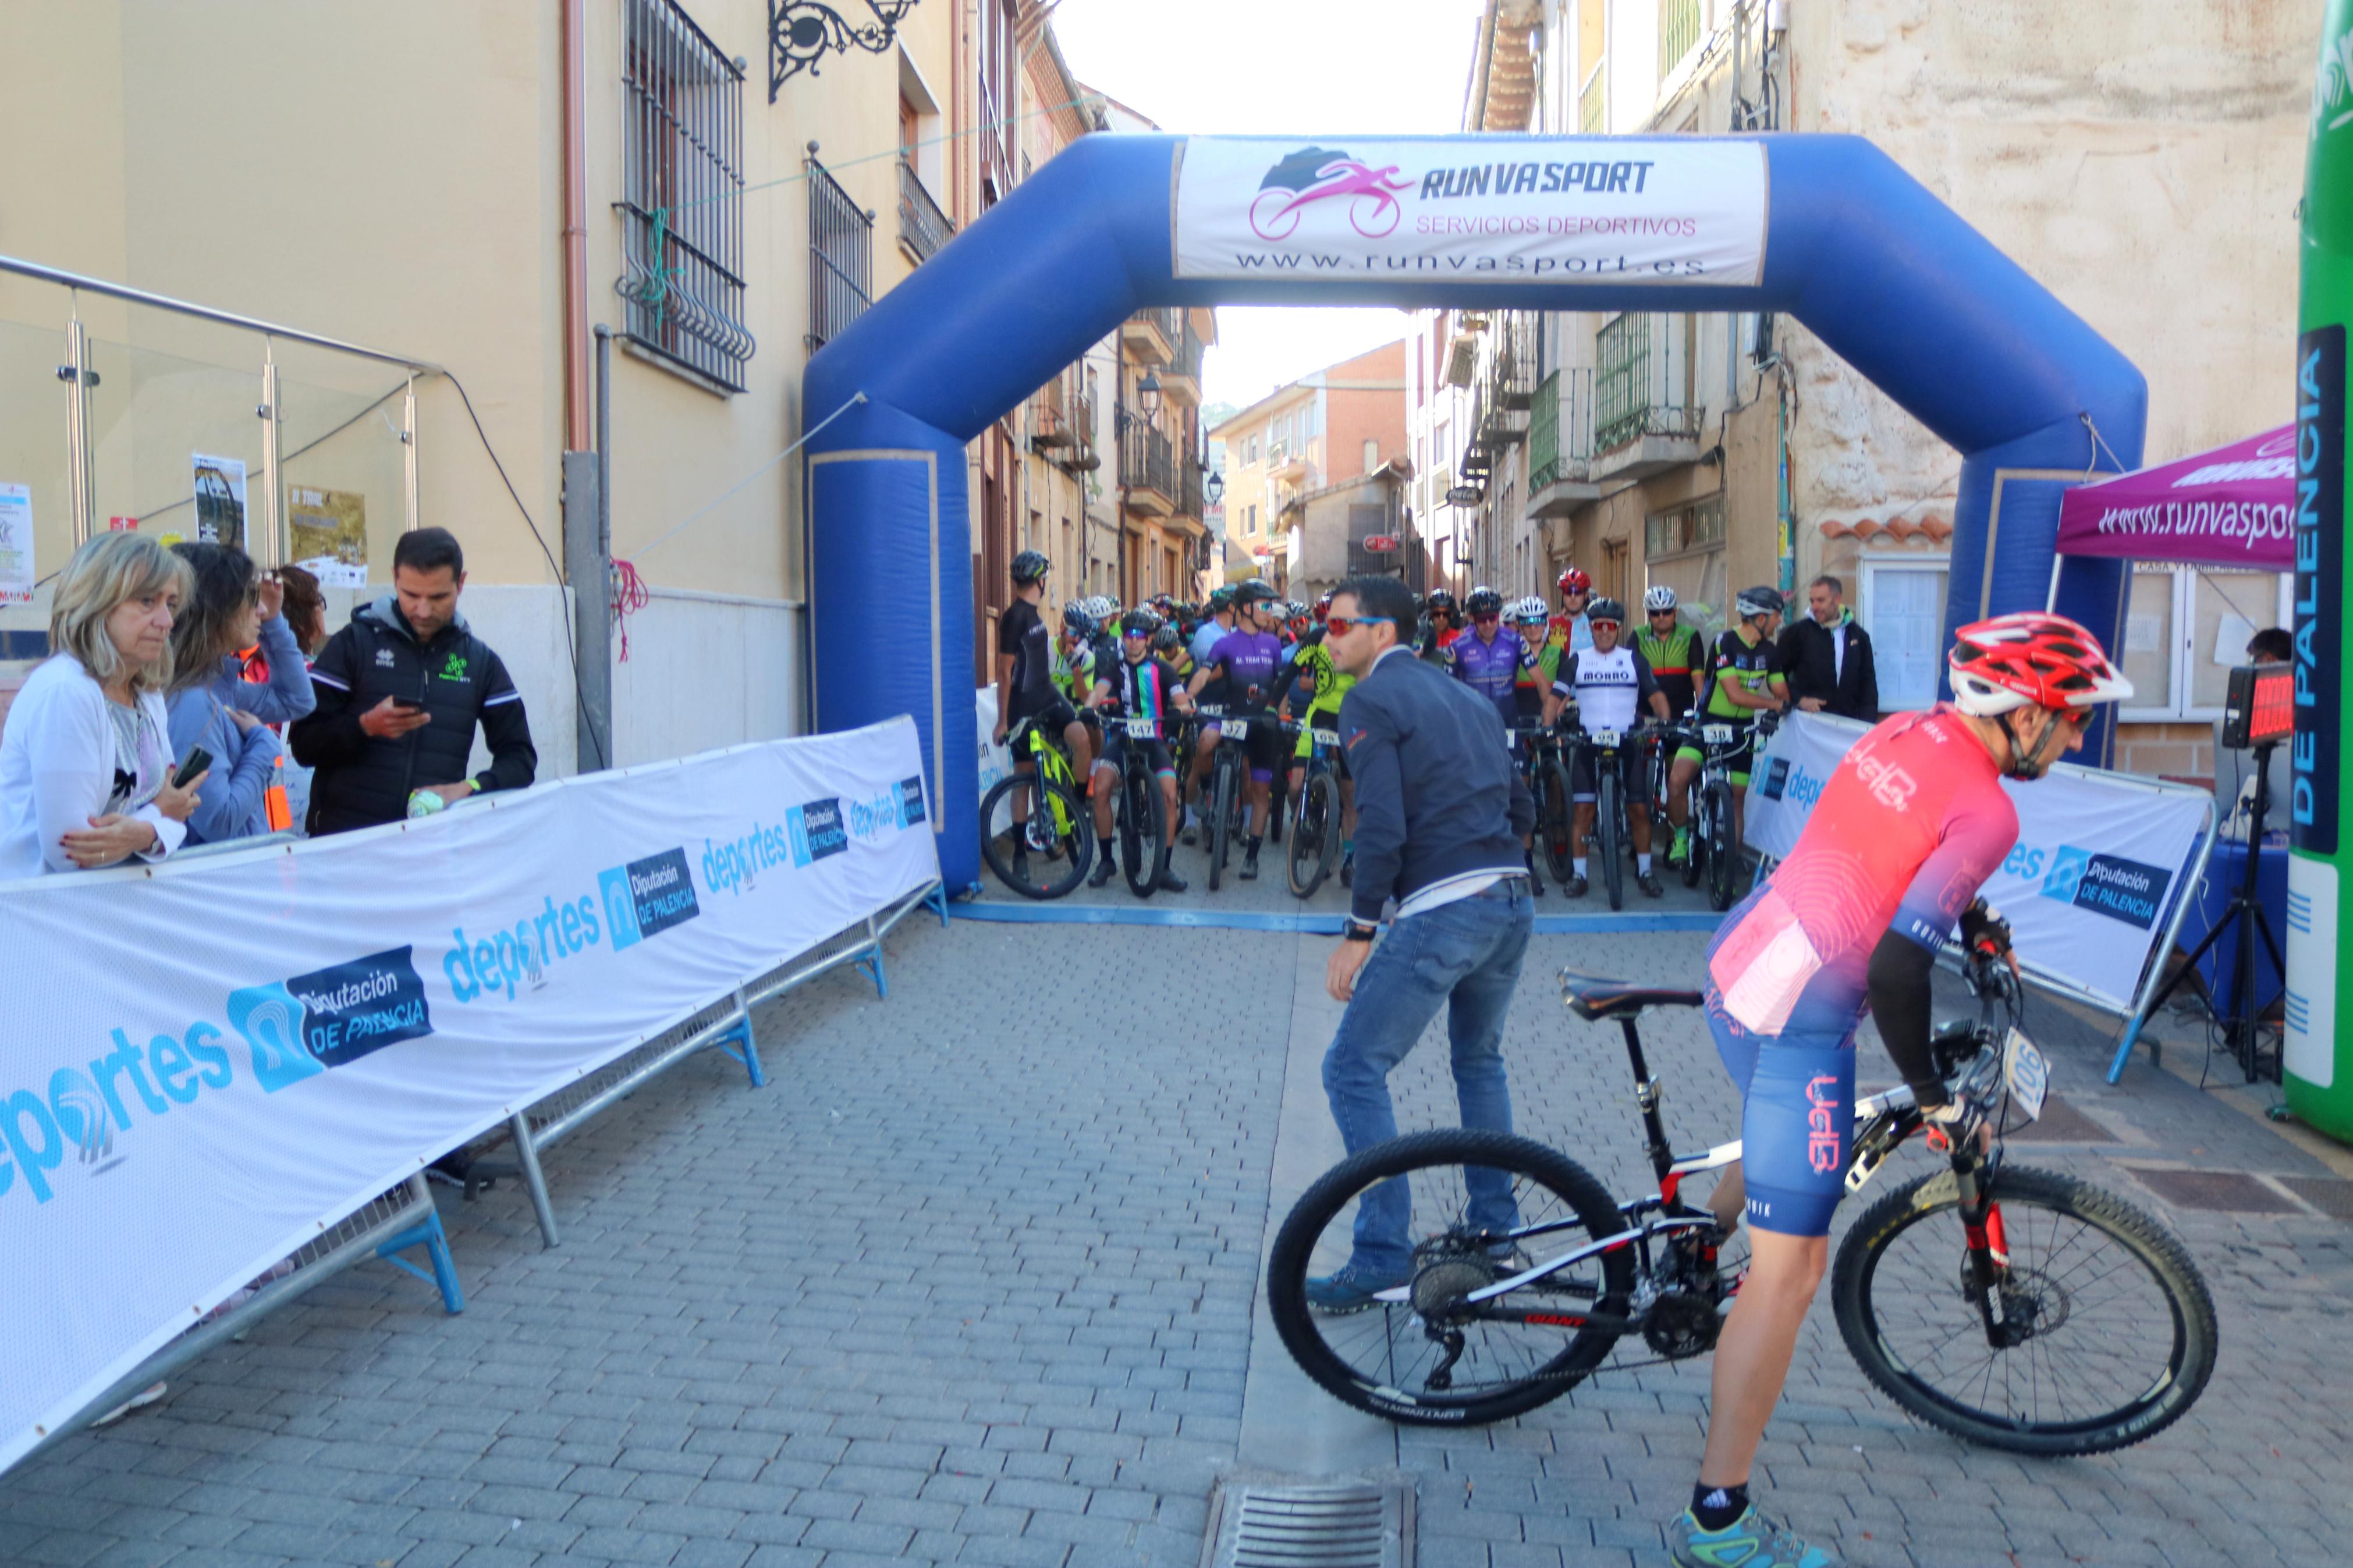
x,y
86,756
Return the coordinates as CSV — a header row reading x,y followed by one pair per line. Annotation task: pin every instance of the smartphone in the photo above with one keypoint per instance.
x,y
403,705
196,762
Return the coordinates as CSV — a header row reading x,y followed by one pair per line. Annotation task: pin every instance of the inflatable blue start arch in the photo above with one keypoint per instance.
x,y
1825,229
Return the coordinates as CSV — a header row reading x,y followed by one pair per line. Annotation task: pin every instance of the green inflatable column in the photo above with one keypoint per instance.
x,y
2320,1063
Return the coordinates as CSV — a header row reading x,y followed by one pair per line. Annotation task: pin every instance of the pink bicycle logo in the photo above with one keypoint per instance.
x,y
1317,175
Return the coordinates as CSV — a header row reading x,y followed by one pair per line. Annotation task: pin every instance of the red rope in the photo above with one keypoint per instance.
x,y
630,597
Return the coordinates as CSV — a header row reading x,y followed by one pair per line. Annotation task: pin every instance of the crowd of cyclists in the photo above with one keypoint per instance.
x,y
1250,659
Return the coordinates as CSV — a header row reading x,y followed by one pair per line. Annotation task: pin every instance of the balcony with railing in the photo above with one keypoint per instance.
x,y
1189,480
923,228
1678,33
1148,468
1152,336
1645,417
1560,444
1511,379
1181,380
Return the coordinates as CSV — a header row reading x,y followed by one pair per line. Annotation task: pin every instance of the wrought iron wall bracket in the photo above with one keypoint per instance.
x,y
801,31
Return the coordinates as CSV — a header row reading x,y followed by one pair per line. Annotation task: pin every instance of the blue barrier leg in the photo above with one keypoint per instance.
x,y
746,1048
2124,1047
436,1242
938,899
872,962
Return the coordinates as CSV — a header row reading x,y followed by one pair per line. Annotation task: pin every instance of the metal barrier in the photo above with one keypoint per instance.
x,y
726,1024
404,1217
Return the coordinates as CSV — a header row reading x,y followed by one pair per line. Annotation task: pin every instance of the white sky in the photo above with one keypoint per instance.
x,y
1313,67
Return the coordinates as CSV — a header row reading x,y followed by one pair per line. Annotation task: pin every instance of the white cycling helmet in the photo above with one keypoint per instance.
x,y
1660,598
1530,609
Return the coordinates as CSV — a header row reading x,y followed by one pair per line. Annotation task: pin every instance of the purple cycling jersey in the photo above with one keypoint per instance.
x,y
1249,660
1491,669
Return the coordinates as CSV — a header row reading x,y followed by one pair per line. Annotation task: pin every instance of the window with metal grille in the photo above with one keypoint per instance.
x,y
841,257
1678,33
682,205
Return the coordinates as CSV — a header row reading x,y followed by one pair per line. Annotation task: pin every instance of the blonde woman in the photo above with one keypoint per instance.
x,y
86,757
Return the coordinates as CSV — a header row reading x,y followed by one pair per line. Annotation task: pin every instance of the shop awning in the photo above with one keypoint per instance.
x,y
2234,506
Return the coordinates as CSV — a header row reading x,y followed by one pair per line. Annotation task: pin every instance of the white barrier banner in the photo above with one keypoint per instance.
x,y
2085,890
205,1066
1525,209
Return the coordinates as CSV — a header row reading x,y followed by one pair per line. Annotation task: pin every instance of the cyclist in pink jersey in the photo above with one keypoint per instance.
x,y
1911,823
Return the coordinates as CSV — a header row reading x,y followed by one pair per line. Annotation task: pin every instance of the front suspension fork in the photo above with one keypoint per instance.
x,y
1985,1260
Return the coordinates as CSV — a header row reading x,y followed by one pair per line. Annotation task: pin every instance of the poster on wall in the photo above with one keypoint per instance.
x,y
220,500
1549,209
16,576
329,531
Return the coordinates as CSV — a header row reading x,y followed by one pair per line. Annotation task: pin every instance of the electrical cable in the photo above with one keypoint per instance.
x,y
806,436
571,641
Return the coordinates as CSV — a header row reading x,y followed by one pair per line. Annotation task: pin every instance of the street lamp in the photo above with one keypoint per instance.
x,y
1215,488
1147,394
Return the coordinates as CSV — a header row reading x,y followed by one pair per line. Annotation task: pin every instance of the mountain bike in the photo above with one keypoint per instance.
x,y
1228,770
1538,750
1055,825
1316,827
2015,1308
1143,826
1714,853
1603,750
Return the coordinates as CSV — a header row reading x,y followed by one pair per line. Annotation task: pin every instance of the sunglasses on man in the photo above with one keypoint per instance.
x,y
1341,626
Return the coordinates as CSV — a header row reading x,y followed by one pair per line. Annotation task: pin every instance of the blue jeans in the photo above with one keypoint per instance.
x,y
1466,957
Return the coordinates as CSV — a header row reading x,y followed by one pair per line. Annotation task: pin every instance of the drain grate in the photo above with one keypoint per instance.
x,y
2227,1192
2331,1195
2062,1123
1351,1524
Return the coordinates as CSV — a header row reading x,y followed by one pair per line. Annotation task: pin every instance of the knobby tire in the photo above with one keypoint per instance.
x,y
2067,1285
1543,1170
1610,828
1078,847
1555,822
1723,855
1314,834
1222,812
1144,832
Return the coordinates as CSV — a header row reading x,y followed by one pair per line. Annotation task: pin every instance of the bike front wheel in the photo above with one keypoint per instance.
x,y
1610,832
1479,1207
1221,818
1555,819
1314,834
1143,835
1057,818
2108,1331
1722,854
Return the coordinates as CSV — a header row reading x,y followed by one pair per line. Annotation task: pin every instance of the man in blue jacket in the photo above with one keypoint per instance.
x,y
1441,817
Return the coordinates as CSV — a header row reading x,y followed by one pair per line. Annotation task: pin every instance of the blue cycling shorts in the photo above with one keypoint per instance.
x,y
1797,1120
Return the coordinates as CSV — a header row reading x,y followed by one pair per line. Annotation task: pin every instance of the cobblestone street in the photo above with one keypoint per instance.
x,y
972,1281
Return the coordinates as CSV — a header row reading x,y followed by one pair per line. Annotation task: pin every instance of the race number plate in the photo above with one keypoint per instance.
x,y
2028,1073
1325,737
1716,735
1605,737
1234,728
1144,729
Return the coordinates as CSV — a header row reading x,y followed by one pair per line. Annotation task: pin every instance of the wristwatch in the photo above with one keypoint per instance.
x,y
1355,929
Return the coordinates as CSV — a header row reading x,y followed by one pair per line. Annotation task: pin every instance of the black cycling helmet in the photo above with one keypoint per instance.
x,y
1030,566
1167,640
1219,599
1606,610
1138,623
1439,601
1257,591
1758,602
1484,602
1077,622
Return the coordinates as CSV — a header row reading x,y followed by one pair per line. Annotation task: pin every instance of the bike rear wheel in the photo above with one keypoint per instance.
x,y
1722,854
2118,1336
1554,819
1144,832
1518,1350
1610,831
1060,817
1314,834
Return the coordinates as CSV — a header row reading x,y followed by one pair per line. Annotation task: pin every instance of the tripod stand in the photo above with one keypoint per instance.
x,y
2244,914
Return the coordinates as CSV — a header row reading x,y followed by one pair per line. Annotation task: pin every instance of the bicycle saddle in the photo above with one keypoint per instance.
x,y
1597,1000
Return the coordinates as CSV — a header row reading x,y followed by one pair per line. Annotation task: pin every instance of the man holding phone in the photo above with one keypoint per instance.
x,y
401,690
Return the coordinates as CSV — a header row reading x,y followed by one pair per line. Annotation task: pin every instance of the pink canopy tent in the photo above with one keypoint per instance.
x,y
2234,506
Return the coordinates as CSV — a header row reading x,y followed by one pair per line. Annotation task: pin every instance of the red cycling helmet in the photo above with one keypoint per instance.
x,y
2031,658
1575,580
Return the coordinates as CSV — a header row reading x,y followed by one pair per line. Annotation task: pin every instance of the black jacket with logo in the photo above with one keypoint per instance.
x,y
362,780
